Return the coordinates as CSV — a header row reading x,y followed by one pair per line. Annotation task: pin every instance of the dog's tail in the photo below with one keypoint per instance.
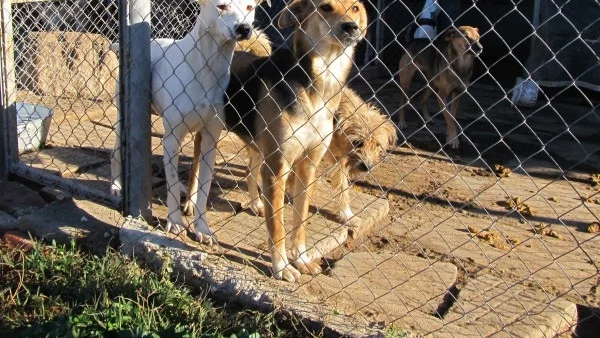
x,y
259,44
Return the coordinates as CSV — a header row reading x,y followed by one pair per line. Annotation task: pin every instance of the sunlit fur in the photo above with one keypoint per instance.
x,y
362,136
282,106
447,64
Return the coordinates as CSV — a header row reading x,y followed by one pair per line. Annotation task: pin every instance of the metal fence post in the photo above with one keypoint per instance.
x,y
134,24
8,118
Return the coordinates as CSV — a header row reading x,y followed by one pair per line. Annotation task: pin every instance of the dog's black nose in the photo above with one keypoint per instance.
x,y
350,27
477,48
243,31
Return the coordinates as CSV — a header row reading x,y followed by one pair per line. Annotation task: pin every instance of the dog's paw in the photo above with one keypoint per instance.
x,y
401,125
287,273
203,233
174,227
309,268
353,225
188,207
183,190
115,189
256,207
304,264
453,141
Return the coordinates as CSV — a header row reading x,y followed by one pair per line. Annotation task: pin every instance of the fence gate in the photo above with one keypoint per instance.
x,y
59,79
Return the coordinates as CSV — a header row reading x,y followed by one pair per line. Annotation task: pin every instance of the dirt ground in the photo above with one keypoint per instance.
x,y
517,202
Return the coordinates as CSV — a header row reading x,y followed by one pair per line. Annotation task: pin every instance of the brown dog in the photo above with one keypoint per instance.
x,y
447,65
282,106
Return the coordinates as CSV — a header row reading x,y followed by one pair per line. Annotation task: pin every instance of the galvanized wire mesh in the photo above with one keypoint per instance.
x,y
498,236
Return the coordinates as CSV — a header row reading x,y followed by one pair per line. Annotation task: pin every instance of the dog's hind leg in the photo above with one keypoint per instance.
x,y
423,102
208,151
305,171
255,159
406,74
274,173
188,206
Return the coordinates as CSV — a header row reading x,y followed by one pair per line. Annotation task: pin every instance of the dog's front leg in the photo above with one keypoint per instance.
x,y
451,137
452,133
274,174
171,145
305,182
208,151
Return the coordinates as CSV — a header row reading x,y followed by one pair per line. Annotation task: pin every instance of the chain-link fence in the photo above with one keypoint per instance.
x,y
455,151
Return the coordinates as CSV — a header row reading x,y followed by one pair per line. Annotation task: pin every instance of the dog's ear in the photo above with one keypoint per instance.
x,y
258,2
451,34
364,22
293,14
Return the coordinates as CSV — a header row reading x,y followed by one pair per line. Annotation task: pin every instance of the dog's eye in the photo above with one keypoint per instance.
x,y
357,144
249,8
326,8
355,8
223,7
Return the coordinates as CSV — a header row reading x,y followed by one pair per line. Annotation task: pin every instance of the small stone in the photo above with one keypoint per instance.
x,y
512,240
502,171
552,233
539,229
487,236
501,246
553,199
473,230
593,228
84,219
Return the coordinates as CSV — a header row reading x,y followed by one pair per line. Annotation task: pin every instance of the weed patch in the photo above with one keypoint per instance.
x,y
60,291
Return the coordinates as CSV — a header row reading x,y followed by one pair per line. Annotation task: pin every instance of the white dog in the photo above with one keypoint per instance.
x,y
189,79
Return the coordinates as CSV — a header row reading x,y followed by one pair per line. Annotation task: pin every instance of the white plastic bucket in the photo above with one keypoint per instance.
x,y
33,123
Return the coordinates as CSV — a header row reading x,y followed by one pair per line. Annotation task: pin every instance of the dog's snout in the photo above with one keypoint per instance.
x,y
350,27
476,47
243,31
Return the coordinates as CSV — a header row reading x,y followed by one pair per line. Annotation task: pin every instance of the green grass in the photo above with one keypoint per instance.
x,y
60,291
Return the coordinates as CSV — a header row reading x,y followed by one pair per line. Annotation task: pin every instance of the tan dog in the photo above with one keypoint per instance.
x,y
447,64
282,106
